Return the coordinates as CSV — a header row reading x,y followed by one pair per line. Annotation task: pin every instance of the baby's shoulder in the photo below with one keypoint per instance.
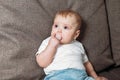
x,y
77,44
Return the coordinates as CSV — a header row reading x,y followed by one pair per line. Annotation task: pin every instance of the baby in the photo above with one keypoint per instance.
x,y
61,55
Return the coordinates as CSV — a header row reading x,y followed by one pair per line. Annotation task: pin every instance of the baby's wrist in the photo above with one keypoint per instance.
x,y
53,46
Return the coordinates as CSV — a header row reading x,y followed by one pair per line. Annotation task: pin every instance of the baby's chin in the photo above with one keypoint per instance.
x,y
65,42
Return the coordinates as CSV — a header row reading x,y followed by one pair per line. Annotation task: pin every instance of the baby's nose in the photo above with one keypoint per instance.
x,y
59,30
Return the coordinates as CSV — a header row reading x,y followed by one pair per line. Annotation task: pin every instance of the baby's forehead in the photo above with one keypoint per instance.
x,y
68,17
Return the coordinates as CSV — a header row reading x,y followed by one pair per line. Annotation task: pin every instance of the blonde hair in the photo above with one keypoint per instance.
x,y
66,13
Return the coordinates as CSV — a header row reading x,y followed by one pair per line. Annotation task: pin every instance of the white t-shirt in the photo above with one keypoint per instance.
x,y
67,56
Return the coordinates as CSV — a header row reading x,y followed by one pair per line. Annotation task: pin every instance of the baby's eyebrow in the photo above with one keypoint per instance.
x,y
67,25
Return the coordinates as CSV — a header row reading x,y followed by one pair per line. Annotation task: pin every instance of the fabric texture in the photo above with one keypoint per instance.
x,y
20,33
65,55
113,10
68,74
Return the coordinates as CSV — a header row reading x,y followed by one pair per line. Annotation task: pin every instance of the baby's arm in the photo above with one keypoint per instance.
x,y
47,55
91,71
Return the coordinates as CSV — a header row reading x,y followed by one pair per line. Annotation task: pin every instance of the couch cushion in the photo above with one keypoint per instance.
x,y
113,8
21,27
111,74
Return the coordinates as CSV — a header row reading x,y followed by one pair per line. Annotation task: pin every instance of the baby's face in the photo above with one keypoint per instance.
x,y
65,28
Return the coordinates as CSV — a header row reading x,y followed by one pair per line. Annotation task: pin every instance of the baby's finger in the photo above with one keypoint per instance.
x,y
58,36
103,78
53,34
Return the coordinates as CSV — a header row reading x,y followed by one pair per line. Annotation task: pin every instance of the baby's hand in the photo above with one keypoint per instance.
x,y
54,40
101,78
58,36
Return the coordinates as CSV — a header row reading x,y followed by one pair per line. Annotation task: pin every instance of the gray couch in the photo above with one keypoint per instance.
x,y
25,23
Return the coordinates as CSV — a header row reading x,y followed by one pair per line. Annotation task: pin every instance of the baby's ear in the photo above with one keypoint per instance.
x,y
77,34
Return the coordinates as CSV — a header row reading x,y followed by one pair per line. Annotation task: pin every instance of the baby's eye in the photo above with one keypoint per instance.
x,y
65,27
56,26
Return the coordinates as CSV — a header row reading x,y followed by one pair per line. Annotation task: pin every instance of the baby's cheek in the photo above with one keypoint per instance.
x,y
52,32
